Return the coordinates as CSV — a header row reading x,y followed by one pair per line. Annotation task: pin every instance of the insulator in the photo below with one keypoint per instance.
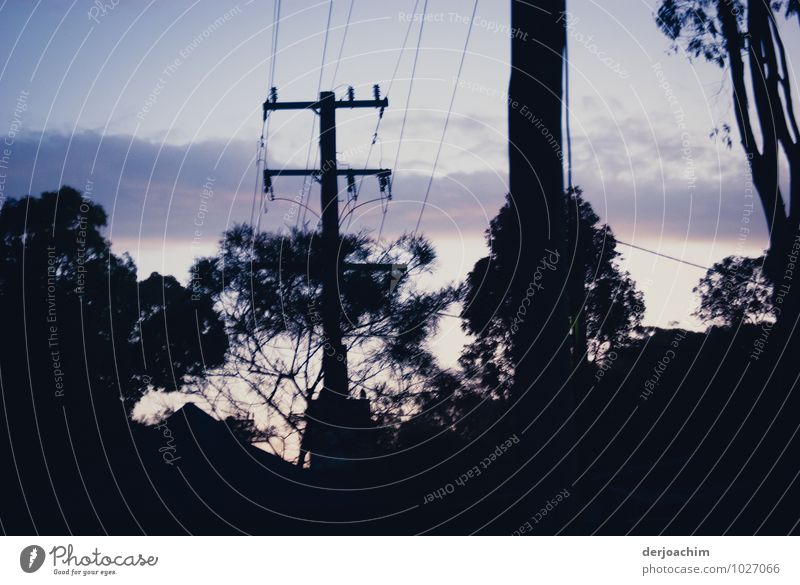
x,y
383,182
376,91
273,94
351,185
267,181
351,93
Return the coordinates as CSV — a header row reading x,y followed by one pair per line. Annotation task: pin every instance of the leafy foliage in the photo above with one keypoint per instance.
x,y
735,291
744,37
613,308
129,337
268,288
610,306
694,24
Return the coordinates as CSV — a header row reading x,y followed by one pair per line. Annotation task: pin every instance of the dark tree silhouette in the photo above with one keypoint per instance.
x,y
489,311
267,287
609,307
725,32
82,343
138,337
735,291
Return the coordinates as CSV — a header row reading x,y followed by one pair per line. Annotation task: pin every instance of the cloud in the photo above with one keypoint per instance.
x,y
157,190
649,179
146,187
154,192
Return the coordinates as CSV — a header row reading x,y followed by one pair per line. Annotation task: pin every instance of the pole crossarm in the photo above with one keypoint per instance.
x,y
317,172
270,106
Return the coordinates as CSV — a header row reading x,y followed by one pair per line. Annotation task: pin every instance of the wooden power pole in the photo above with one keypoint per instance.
x,y
332,418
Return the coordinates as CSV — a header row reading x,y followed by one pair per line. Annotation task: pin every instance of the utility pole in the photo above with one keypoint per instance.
x,y
333,413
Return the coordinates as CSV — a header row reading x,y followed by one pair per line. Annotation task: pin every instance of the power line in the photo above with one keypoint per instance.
x,y
411,84
261,152
408,104
447,119
667,256
720,269
258,178
344,39
380,118
303,195
277,24
339,56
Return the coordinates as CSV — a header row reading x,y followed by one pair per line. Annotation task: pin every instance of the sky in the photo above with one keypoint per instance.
x,y
148,103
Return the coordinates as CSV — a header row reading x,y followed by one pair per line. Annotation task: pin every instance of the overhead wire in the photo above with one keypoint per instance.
x,y
303,195
388,91
447,118
408,104
667,256
344,40
692,264
261,153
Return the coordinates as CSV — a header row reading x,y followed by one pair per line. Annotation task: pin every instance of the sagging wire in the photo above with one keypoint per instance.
x,y
261,155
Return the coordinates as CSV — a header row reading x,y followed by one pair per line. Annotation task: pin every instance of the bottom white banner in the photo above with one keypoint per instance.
x,y
396,560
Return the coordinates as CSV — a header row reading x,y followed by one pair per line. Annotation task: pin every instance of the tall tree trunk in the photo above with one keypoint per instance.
x,y
772,106
540,342
771,87
770,83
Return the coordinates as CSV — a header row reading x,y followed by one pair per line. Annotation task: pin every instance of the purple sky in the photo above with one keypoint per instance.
x,y
74,99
